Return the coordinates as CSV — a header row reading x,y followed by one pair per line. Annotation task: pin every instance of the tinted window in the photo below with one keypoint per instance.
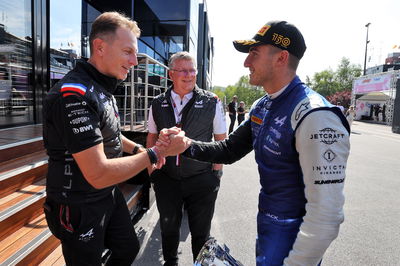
x,y
16,91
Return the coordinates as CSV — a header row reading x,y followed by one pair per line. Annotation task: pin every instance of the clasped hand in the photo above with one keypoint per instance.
x,y
172,141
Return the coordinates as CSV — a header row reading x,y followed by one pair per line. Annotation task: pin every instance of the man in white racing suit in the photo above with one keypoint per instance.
x,y
301,145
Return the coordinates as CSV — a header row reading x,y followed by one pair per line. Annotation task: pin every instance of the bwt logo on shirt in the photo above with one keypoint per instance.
x,y
82,129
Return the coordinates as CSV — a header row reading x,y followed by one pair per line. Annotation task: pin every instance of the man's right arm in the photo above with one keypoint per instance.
x,y
101,172
228,151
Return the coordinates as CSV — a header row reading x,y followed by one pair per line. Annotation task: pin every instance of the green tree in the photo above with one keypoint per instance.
x,y
346,73
329,82
244,91
324,83
220,91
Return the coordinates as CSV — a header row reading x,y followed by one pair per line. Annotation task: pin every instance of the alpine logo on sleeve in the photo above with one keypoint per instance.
x,y
72,89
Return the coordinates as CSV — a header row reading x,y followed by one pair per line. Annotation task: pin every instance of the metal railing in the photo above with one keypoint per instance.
x,y
145,81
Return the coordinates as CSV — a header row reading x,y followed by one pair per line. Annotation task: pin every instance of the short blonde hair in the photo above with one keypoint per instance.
x,y
107,24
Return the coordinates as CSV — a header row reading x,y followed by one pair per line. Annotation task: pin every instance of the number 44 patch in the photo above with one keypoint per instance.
x,y
280,121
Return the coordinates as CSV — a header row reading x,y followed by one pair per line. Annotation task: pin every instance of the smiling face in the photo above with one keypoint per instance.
x,y
119,53
260,62
183,74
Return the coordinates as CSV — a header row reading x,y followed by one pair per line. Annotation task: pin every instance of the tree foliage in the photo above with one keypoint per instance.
x,y
334,85
329,82
342,97
243,90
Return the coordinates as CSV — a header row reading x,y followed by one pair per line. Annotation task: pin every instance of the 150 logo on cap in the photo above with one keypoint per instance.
x,y
263,30
281,40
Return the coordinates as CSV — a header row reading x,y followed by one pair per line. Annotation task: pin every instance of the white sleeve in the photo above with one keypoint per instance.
x,y
151,125
219,123
323,146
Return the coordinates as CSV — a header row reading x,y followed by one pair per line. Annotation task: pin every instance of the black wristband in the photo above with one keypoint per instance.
x,y
152,156
218,173
136,148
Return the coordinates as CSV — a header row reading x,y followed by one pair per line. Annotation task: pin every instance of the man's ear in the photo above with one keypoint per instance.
x,y
98,47
283,58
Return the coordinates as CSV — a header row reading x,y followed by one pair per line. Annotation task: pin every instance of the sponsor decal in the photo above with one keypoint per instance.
x,y
72,89
256,120
275,132
69,185
198,105
327,136
280,121
303,107
329,169
79,120
263,30
164,105
86,237
199,102
82,129
272,151
246,42
67,169
68,105
78,112
329,181
329,155
273,142
272,216
280,40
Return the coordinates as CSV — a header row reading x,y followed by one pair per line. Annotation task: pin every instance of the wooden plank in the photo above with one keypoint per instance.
x,y
21,180
41,252
13,152
11,238
16,221
60,262
23,160
33,231
22,194
54,258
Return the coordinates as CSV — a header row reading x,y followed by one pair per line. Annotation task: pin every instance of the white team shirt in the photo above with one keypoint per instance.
x,y
219,122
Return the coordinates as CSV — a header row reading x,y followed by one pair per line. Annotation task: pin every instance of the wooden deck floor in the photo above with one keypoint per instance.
x,y
13,135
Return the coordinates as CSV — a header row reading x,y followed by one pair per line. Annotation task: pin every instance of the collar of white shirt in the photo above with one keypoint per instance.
x,y
178,99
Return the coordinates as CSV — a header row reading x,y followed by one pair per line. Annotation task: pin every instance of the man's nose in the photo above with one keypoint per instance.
x,y
246,62
133,61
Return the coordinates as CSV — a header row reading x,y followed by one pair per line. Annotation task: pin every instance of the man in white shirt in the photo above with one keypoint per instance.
x,y
184,182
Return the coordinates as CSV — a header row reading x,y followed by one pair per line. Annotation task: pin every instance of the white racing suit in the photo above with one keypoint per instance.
x,y
301,145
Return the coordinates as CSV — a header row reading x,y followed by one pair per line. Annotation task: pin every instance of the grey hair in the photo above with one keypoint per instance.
x,y
183,55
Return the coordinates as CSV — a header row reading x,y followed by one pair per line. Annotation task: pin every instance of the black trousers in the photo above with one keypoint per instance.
x,y
240,119
198,194
86,229
233,119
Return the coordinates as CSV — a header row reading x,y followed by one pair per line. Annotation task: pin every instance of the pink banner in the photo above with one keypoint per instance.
x,y
372,84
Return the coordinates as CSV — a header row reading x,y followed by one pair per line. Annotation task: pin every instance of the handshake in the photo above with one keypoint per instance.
x,y
172,141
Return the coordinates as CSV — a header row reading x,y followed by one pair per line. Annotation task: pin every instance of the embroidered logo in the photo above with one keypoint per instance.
x,y
86,237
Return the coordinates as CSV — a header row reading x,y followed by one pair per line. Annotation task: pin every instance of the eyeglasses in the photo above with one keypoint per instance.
x,y
185,72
